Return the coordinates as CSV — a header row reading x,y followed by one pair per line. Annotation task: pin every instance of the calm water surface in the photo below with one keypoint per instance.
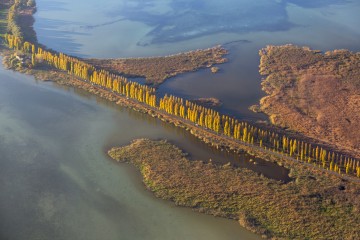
x,y
57,183
123,28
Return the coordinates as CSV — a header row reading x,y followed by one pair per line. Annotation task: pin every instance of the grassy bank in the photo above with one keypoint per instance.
x,y
315,206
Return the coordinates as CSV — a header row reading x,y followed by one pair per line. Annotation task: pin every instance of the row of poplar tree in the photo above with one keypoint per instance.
x,y
200,115
85,71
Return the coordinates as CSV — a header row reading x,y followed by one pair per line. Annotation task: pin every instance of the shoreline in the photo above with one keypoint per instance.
x,y
220,140
211,138
207,136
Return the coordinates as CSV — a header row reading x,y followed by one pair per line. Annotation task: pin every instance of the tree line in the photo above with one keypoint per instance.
x,y
80,69
199,115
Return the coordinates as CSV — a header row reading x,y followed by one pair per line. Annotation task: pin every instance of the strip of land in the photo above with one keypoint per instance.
x,y
314,206
154,69
157,69
315,94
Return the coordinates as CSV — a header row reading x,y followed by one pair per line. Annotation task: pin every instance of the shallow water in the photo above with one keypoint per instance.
x,y
57,183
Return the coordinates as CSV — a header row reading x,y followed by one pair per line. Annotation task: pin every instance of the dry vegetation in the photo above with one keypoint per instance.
x,y
315,206
315,94
157,69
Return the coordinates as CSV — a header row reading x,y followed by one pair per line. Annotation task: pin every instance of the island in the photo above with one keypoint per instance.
x,y
313,206
208,102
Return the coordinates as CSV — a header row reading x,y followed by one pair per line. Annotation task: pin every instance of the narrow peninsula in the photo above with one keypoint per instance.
x,y
157,69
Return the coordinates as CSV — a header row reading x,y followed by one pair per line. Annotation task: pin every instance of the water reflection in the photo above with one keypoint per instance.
x,y
153,23
179,20
187,19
